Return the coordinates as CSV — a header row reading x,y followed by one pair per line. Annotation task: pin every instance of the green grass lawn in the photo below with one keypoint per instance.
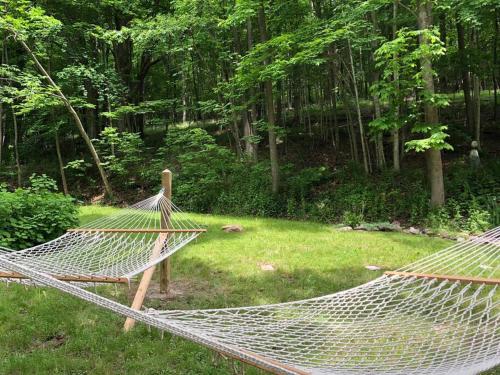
x,y
43,331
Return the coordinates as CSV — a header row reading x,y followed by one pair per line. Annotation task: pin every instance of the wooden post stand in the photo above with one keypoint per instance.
x,y
165,265
166,181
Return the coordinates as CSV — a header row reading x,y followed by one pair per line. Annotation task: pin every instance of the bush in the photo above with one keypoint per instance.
x,y
35,215
201,167
122,155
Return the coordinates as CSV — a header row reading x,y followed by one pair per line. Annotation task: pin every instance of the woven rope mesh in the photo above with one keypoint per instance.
x,y
93,251
392,325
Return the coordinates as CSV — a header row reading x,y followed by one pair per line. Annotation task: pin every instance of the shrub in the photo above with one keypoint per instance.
x,y
35,215
122,154
201,167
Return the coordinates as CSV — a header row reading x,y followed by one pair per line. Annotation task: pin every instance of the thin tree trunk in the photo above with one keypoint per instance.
x,y
332,94
16,148
75,116
2,61
464,66
477,108
496,66
271,120
1,132
61,163
379,144
250,118
433,155
395,132
477,98
358,110
443,33
353,142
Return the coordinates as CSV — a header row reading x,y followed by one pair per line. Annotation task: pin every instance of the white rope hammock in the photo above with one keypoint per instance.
x,y
404,323
113,248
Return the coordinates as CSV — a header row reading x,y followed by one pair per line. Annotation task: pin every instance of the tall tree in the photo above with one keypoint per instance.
x,y
270,111
432,154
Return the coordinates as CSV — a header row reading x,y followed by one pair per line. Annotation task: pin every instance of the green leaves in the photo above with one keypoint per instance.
x,y
23,20
33,216
400,58
436,138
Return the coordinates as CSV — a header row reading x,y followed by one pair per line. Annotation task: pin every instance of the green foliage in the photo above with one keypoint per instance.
x,y
35,215
42,184
352,219
201,166
400,58
122,154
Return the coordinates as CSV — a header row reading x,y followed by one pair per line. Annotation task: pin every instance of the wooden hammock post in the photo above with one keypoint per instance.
x,y
164,269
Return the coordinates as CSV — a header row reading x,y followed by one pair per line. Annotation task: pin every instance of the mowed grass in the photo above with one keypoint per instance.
x,y
43,331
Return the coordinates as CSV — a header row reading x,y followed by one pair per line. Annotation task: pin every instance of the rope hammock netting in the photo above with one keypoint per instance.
x,y
113,248
439,315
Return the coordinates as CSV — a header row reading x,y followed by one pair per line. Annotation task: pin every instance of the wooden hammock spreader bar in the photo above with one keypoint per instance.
x,y
266,359
461,279
83,279
132,230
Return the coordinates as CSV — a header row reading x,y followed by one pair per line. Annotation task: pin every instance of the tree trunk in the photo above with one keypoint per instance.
x,y
249,118
395,132
2,61
379,144
466,85
358,110
75,116
61,164
16,148
271,119
443,33
332,73
496,66
91,118
1,132
433,156
477,109
477,98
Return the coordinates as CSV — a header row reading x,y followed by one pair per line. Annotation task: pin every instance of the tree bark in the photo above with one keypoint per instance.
x,y
2,114
395,132
477,98
379,144
61,163
271,118
465,70
433,155
75,116
248,118
16,148
364,149
1,132
496,66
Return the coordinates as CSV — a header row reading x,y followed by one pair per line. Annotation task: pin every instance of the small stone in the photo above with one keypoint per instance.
x,y
461,239
361,227
413,230
426,231
266,267
373,268
232,228
345,229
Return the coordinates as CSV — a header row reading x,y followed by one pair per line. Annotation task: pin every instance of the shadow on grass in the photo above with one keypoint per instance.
x,y
205,286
